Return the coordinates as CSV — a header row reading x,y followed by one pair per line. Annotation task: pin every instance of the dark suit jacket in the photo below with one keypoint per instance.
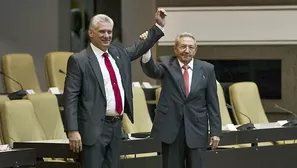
x,y
84,93
174,107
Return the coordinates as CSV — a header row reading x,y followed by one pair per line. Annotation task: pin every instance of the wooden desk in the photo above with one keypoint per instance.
x,y
60,149
18,158
269,132
273,156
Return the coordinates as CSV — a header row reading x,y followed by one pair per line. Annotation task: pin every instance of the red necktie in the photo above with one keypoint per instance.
x,y
186,78
114,82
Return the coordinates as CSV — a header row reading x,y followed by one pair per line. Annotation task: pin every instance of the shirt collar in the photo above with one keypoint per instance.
x,y
190,64
98,52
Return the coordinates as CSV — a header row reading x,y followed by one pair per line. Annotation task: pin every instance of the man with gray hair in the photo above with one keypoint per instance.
x,y
98,90
188,101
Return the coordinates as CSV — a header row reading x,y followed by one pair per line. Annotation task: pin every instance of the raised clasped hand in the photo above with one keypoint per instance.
x,y
160,17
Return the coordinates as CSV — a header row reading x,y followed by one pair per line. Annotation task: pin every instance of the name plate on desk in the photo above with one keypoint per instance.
x,y
54,90
281,122
140,135
136,84
4,147
230,127
147,85
30,91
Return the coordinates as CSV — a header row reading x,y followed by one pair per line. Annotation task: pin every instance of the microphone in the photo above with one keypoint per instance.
x,y
290,123
12,79
61,71
247,126
17,94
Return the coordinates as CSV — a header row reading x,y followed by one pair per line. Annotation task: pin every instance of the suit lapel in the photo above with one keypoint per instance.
x,y
96,68
177,74
196,76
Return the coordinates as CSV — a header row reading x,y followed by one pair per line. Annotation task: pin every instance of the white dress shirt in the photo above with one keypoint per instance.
x,y
190,71
110,99
147,56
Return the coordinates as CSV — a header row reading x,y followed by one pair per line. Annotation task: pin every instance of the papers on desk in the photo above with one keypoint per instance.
x,y
58,141
136,84
278,124
282,122
144,85
229,127
134,138
54,90
4,148
30,91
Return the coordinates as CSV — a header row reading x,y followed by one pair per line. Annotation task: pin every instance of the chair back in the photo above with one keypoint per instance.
x,y
21,68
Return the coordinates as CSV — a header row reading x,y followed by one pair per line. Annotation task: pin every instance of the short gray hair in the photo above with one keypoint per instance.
x,y
184,34
100,18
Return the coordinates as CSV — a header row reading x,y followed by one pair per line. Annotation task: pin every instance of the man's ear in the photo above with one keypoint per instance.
x,y
175,49
90,32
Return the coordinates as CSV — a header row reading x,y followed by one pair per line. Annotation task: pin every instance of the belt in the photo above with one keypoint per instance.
x,y
114,118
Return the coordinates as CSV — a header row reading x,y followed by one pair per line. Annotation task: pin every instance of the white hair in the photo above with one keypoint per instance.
x,y
100,18
184,34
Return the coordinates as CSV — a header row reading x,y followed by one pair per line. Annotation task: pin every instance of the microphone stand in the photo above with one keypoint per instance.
x,y
247,126
291,123
19,94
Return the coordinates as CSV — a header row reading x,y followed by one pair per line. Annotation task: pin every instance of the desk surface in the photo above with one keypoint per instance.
x,y
267,132
66,141
261,126
60,149
268,125
48,148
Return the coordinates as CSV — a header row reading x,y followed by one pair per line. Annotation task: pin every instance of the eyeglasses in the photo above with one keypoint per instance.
x,y
184,47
